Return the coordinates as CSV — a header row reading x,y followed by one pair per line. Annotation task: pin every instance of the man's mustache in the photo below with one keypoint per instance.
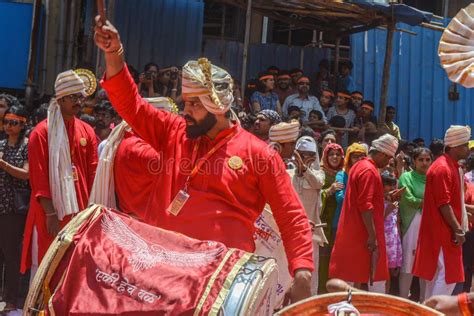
x,y
188,117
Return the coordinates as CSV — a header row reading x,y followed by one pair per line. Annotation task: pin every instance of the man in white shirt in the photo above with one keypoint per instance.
x,y
303,100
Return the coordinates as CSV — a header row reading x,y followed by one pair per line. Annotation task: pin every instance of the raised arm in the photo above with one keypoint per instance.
x,y
154,126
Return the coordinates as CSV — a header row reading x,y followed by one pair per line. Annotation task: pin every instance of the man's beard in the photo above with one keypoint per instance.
x,y
199,129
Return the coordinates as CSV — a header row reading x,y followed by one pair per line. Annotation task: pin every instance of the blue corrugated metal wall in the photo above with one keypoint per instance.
x,y
228,55
163,31
15,31
418,84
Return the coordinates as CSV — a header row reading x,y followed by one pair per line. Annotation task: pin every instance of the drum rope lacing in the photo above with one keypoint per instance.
x,y
345,306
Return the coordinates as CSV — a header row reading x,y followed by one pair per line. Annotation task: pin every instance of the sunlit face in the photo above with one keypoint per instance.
x,y
355,157
262,125
461,152
13,127
71,104
334,158
308,157
328,139
198,119
422,162
382,160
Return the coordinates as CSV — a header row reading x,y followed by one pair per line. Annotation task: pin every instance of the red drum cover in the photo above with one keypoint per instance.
x,y
118,265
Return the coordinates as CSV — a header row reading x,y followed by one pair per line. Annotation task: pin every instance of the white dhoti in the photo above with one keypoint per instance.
x,y
34,254
409,243
438,285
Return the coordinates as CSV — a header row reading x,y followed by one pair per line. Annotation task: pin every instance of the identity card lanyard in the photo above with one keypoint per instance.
x,y
183,195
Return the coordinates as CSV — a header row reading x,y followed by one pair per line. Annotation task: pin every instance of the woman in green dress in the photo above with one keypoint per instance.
x,y
411,204
332,163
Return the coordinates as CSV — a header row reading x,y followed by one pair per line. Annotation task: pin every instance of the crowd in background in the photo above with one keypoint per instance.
x,y
329,110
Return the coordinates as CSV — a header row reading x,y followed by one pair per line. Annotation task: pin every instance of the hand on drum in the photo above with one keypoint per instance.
x,y
301,288
445,304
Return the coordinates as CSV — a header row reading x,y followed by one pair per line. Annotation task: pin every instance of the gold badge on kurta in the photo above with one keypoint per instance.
x,y
83,142
235,162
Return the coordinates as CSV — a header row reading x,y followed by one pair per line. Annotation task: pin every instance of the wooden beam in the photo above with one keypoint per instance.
x,y
386,73
433,27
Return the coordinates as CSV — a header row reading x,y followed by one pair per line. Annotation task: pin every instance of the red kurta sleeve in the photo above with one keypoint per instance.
x,y
290,216
442,189
38,157
152,125
365,191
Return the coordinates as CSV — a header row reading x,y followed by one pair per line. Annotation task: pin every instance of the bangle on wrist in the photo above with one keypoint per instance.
x,y
118,51
50,214
174,89
461,234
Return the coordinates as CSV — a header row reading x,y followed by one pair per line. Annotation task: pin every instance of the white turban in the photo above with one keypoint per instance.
x,y
68,83
306,143
386,144
457,135
211,84
284,132
163,103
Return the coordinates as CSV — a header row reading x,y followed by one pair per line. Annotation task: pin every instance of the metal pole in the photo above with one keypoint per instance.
x,y
386,73
71,38
336,58
248,18
61,37
32,55
222,55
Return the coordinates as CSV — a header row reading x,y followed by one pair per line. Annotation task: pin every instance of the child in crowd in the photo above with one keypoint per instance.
x,y
392,226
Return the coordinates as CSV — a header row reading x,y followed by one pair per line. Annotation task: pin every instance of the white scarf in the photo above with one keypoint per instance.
x,y
61,180
464,218
103,189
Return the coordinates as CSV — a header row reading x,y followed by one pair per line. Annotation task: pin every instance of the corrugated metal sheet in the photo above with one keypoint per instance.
x,y
418,84
228,55
163,31
15,31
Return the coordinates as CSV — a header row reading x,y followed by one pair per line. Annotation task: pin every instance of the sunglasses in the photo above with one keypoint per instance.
x,y
12,122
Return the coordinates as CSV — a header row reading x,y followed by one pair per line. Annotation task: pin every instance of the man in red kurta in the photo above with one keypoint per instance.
x,y
438,258
359,253
136,170
234,175
44,217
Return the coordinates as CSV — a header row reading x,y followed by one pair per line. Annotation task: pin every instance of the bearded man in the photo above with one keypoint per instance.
x,y
217,176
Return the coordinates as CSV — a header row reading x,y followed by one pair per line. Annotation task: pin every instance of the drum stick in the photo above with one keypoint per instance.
x,y
101,11
320,225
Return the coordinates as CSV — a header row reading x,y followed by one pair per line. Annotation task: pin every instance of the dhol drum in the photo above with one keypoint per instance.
x,y
355,301
268,243
107,263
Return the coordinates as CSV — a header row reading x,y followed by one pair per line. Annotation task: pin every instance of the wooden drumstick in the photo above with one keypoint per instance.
x,y
337,285
101,10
